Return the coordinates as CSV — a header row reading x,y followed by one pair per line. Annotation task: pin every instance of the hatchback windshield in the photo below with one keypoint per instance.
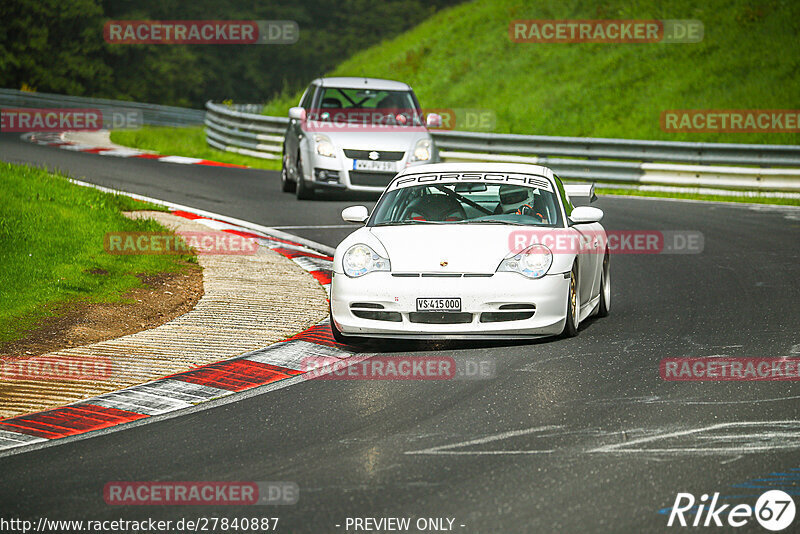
x,y
341,98
468,203
367,105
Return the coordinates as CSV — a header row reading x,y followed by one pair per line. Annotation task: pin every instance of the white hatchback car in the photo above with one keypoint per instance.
x,y
471,250
356,134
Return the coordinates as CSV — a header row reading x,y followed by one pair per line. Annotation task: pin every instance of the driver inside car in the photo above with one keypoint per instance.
x,y
515,199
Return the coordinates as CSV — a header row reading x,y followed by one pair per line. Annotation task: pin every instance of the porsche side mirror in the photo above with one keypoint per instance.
x,y
355,214
586,214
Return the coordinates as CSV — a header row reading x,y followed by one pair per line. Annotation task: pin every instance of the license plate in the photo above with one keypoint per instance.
x,y
367,165
439,304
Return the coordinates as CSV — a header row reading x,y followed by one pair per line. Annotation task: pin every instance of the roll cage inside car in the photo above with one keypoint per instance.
x,y
393,210
312,98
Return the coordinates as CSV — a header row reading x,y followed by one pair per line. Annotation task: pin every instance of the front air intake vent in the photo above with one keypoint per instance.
x,y
440,317
394,317
518,307
367,305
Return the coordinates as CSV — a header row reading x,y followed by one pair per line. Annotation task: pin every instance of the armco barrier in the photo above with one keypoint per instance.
x,y
620,161
626,149
623,162
152,114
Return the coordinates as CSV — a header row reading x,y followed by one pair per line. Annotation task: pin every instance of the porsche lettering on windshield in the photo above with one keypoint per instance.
x,y
490,177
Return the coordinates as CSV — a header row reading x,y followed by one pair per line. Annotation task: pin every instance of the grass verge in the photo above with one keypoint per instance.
x,y
51,247
189,142
462,57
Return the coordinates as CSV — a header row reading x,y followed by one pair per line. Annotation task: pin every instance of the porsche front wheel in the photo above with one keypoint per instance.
x,y
605,289
571,324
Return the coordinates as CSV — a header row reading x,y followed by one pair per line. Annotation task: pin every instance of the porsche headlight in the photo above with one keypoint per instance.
x,y
422,150
324,146
361,259
533,262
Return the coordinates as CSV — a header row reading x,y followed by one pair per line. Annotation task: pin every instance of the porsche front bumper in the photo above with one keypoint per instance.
x,y
383,304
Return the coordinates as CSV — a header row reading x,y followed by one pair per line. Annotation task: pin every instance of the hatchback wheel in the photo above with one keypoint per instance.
x,y
303,191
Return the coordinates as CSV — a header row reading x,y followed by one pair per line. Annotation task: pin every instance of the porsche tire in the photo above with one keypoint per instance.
x,y
605,289
573,306
343,339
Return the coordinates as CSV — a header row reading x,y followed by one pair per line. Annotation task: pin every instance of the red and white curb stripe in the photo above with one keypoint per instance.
x,y
279,361
57,140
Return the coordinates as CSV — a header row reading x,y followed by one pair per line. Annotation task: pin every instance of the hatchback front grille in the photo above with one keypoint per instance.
x,y
372,179
383,155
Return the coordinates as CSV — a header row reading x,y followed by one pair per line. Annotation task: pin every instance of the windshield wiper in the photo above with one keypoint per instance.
x,y
495,221
401,223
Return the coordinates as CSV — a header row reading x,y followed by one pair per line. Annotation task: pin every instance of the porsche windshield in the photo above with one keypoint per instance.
x,y
468,203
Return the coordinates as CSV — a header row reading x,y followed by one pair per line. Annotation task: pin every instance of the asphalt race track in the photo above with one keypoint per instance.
x,y
576,435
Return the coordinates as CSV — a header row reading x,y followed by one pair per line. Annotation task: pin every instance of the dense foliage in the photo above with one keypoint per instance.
x,y
58,46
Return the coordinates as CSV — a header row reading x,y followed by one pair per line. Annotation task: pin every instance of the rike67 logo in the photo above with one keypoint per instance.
x,y
774,510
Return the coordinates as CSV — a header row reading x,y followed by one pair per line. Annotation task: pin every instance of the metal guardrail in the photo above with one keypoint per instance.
x,y
625,149
151,114
237,129
715,165
242,129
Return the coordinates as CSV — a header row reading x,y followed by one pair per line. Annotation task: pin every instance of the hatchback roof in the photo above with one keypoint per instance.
x,y
363,83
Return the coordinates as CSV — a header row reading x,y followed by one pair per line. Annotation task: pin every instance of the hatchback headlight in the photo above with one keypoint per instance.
x,y
361,259
422,150
324,146
533,262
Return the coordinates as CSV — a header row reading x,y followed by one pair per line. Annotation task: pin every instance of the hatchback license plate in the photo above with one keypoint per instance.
x,y
366,165
439,304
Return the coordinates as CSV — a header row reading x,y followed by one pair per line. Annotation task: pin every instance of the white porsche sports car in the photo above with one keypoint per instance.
x,y
471,250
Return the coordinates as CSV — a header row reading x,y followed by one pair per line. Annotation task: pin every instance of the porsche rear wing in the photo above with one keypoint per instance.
x,y
581,192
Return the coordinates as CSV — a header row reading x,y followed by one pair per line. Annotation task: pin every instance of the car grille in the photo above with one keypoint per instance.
x,y
499,317
440,317
372,179
394,317
383,155
443,275
509,312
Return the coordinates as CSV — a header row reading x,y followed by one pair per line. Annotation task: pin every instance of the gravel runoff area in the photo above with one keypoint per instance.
x,y
250,301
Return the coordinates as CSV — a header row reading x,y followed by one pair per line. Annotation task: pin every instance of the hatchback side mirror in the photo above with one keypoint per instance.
x,y
433,120
355,214
297,113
